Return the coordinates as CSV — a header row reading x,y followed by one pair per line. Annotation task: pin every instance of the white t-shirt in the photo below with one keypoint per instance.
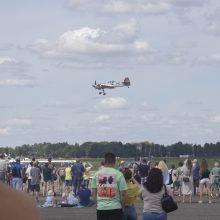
x,y
2,165
28,172
72,200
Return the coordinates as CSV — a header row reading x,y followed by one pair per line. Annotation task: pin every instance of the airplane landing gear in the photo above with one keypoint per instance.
x,y
104,93
100,93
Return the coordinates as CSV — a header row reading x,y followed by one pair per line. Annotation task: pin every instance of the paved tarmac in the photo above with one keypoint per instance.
x,y
186,211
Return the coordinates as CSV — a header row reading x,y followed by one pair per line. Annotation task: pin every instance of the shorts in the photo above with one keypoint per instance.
x,y
35,188
205,181
196,183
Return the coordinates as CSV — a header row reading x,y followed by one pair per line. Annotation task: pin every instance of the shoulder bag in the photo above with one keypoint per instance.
x,y
167,202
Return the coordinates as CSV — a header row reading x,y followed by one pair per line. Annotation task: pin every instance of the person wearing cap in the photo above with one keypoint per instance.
x,y
215,173
16,172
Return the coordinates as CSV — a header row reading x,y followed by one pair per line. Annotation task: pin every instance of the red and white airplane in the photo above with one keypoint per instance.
x,y
111,85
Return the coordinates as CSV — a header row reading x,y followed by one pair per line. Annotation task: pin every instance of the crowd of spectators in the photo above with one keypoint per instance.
x,y
115,187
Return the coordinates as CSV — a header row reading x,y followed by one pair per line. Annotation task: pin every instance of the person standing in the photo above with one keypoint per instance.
x,y
88,167
61,177
215,173
179,172
196,169
151,192
47,177
16,172
77,171
35,181
143,169
204,180
2,168
68,176
109,190
28,174
163,167
187,177
131,196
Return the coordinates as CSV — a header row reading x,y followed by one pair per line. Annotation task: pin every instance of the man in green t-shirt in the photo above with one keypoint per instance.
x,y
109,190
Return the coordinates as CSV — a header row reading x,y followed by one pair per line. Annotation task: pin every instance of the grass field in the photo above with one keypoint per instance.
x,y
170,160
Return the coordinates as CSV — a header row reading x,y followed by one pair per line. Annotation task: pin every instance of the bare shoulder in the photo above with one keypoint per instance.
x,y
17,205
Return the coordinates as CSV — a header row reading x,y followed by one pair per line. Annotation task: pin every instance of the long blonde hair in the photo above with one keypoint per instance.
x,y
162,166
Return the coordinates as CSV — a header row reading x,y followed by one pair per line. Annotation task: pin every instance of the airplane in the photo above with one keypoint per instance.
x,y
111,85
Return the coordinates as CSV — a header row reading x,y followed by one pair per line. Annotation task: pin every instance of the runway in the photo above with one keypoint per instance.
x,y
186,211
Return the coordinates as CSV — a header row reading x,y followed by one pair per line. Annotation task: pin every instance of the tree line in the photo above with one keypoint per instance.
x,y
98,149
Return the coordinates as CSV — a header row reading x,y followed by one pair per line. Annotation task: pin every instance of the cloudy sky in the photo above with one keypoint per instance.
x,y
51,52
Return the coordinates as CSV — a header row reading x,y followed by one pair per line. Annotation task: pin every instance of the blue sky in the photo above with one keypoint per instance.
x,y
51,52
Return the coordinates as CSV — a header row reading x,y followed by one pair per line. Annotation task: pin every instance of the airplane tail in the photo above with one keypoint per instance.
x,y
127,81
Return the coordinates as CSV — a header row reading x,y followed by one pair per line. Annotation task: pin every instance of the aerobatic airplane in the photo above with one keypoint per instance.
x,y
111,85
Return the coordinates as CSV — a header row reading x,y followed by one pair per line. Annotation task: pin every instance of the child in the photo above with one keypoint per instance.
x,y
50,200
68,198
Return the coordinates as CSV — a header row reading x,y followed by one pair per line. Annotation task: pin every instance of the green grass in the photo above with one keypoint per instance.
x,y
171,160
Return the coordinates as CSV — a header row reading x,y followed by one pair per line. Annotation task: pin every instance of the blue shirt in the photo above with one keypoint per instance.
x,y
84,196
16,170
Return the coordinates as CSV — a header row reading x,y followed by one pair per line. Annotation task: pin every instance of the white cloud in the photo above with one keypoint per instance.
x,y
210,59
17,83
7,60
121,6
157,120
189,3
114,103
20,121
39,45
9,64
176,59
102,118
58,104
215,119
151,7
4,131
97,47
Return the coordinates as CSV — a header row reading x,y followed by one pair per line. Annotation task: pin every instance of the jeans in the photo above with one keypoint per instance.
x,y
17,183
154,216
76,184
130,213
